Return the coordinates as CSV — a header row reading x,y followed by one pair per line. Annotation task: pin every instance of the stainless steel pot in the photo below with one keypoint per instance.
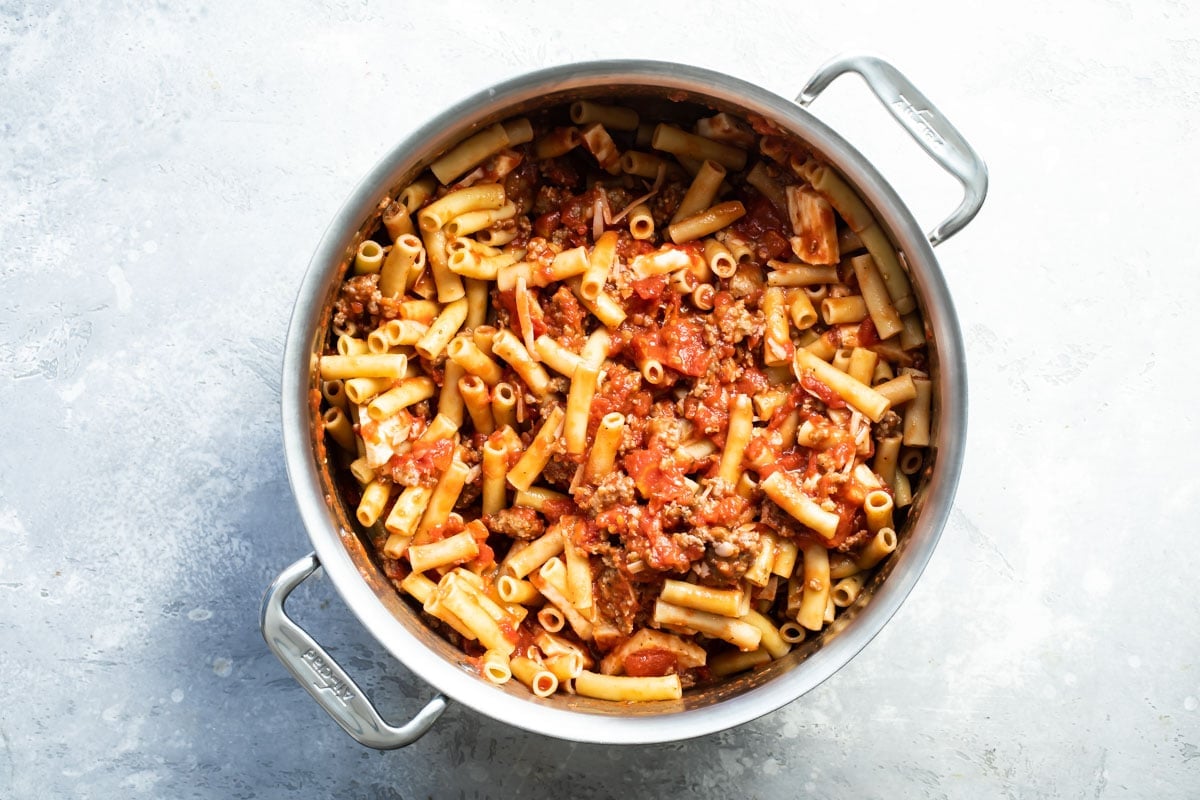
x,y
390,620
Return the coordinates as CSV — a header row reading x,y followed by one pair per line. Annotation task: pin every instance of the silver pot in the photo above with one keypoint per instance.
x,y
373,599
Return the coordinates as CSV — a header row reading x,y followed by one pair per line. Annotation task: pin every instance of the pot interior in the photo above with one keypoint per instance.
x,y
662,97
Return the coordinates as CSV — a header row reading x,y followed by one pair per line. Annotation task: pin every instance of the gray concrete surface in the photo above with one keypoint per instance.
x,y
165,172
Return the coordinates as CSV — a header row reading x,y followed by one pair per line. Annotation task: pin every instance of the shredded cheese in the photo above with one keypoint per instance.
x,y
524,316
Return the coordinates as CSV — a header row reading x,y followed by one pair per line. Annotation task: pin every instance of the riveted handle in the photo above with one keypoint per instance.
x,y
928,126
324,678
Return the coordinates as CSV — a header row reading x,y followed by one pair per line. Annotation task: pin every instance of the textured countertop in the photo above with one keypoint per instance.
x,y
166,171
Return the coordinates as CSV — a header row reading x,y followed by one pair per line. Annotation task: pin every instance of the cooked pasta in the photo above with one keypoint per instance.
x,y
622,405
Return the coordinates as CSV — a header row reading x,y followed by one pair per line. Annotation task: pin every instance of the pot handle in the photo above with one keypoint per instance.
x,y
324,679
928,126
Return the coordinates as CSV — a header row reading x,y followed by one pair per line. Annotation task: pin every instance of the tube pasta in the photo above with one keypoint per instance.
x,y
397,220
504,403
555,356
478,403
888,264
407,254
618,397
777,340
733,662
887,450
741,419
579,404
641,223
541,681
876,297
841,197
534,460
624,688
741,635
539,498
846,591
470,153
788,496
916,415
368,258
705,222
557,142
406,393
837,310
600,262
725,602
677,142
878,508
390,365
508,347
880,547
771,641
854,392
614,117
597,142
702,192
442,330
816,587
453,550
787,274
768,187
535,554
337,426
464,352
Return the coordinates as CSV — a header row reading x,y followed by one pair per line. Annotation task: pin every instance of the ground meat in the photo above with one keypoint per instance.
x,y
855,540
406,473
664,204
734,323
559,171
559,472
686,540
889,425
616,599
667,430
721,505
471,492
675,514
519,186
356,303
616,488
566,319
747,283
516,523
728,553
549,199
779,520
541,252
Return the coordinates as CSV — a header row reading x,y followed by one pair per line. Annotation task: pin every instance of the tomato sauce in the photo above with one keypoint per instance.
x,y
763,227
826,395
709,412
727,511
652,662
662,553
656,474
426,458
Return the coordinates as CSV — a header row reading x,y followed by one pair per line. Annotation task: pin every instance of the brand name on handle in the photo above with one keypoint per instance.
x,y
919,117
325,678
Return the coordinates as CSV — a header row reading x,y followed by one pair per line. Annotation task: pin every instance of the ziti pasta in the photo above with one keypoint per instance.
x,y
627,405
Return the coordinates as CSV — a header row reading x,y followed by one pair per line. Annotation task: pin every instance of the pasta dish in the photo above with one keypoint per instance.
x,y
627,405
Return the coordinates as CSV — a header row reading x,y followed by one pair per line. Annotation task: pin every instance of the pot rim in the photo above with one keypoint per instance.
x,y
322,526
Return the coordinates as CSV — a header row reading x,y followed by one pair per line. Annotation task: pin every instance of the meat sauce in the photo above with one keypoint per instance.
x,y
660,509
